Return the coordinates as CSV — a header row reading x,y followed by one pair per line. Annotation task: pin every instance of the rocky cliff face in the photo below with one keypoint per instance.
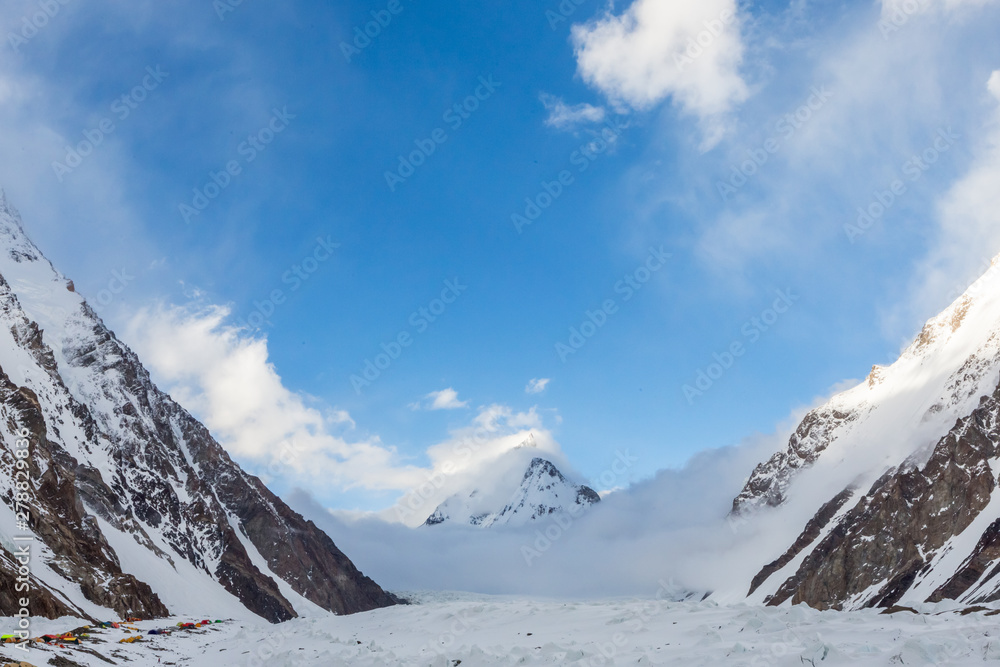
x,y
133,505
543,491
769,482
902,472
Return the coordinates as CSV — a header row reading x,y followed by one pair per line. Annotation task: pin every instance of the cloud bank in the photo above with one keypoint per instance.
x,y
672,527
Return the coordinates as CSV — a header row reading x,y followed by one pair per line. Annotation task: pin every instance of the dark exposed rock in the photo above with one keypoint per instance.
x,y
57,516
587,496
897,609
985,558
973,610
811,533
885,542
42,601
436,518
769,481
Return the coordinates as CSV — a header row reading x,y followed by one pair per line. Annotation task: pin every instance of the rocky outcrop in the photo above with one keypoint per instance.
x,y
769,482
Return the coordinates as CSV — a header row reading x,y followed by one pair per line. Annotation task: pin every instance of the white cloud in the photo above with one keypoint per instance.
x,y
537,386
691,52
889,97
227,381
898,14
564,117
446,399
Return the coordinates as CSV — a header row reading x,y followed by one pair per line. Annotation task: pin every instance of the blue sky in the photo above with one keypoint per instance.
x,y
546,92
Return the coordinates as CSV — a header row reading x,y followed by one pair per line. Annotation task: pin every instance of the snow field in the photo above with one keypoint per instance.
x,y
441,630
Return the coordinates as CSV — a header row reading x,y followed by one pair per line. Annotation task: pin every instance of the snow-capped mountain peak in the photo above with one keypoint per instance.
x,y
543,491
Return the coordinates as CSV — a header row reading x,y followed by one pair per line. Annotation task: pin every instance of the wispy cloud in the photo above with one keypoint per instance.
x,y
565,117
537,386
968,226
890,98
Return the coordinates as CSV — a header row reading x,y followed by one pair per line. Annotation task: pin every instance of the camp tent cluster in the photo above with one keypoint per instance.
x,y
77,636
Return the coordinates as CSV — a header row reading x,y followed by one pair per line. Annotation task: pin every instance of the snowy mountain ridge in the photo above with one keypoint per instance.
x,y
899,475
543,491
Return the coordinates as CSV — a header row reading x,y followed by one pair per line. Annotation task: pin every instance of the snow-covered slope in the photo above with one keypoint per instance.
x,y
132,505
445,630
897,474
543,491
